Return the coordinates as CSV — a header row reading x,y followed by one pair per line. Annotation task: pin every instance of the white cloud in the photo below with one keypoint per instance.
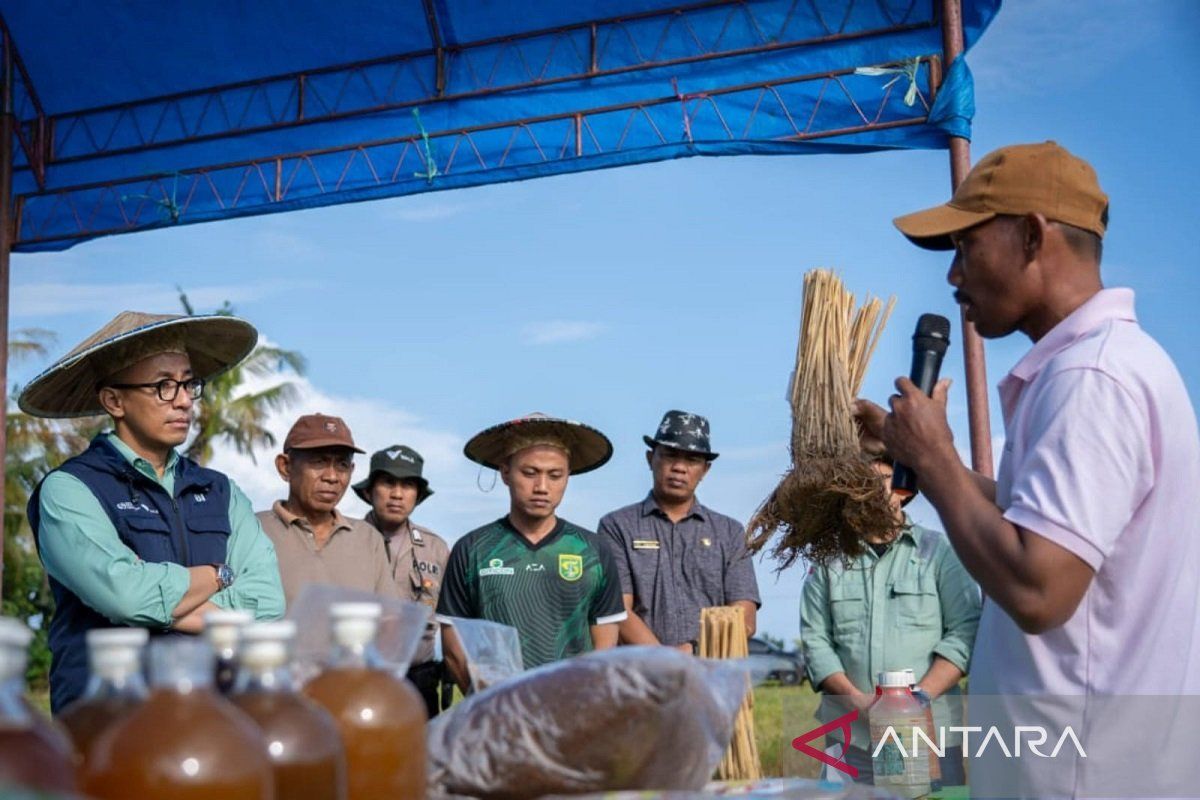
x,y
556,331
773,452
458,505
280,243
53,299
1030,39
421,209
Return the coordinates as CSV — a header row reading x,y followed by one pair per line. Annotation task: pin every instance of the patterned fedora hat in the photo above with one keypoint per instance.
x,y
683,431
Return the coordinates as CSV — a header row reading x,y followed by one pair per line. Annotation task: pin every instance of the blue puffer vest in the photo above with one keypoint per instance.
x,y
192,528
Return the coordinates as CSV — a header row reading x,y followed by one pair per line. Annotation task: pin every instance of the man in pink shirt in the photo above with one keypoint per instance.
x,y
1087,546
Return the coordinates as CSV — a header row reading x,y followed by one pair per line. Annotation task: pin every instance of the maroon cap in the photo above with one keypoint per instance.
x,y
319,430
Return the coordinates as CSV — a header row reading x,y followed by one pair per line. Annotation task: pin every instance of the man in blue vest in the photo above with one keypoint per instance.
x,y
130,532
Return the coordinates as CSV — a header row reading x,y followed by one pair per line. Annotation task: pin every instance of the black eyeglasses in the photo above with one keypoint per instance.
x,y
167,388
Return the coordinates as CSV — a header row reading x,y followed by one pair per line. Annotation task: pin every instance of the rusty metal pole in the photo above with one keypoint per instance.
x,y
973,357
7,123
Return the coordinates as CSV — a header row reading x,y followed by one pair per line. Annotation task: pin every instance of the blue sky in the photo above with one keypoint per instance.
x,y
612,296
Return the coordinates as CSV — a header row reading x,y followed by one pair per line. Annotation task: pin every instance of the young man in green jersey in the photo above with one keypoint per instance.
x,y
553,581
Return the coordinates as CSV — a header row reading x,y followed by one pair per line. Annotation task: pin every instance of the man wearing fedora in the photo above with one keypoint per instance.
x,y
553,581
315,542
675,556
130,532
395,486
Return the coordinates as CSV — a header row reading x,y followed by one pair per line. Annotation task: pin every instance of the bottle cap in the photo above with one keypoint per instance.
x,y
14,643
115,653
355,610
117,637
896,679
355,624
222,627
265,645
281,630
14,633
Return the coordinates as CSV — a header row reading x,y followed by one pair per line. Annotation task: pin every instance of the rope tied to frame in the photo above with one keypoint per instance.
x,y
907,69
167,206
683,101
431,170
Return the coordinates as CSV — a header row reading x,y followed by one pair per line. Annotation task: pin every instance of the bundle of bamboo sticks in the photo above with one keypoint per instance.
x,y
830,497
723,635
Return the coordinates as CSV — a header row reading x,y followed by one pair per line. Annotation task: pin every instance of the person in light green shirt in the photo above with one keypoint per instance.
x,y
78,542
906,603
130,532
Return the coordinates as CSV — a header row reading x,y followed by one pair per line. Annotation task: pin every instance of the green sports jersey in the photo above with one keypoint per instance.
x,y
551,592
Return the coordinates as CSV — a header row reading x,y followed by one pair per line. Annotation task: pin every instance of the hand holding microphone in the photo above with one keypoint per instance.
x,y
930,342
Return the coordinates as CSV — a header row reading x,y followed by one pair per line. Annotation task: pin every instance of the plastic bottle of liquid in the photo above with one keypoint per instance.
x,y
223,628
185,742
115,687
34,754
380,716
302,739
935,765
898,767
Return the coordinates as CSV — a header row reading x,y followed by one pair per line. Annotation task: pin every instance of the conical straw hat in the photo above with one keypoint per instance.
x,y
588,447
69,387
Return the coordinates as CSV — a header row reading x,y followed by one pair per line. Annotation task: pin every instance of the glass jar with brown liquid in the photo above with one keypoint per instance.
x,y
381,717
302,739
223,630
34,753
115,687
185,742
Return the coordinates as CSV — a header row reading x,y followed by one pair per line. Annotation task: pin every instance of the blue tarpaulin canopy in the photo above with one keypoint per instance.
x,y
124,115
133,115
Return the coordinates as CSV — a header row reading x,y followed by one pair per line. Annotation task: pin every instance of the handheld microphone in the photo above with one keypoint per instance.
x,y
930,341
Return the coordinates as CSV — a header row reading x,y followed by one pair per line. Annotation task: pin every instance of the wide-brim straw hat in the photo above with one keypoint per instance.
x,y
69,387
589,449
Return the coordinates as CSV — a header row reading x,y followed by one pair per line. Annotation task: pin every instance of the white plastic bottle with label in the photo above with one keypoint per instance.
x,y
894,716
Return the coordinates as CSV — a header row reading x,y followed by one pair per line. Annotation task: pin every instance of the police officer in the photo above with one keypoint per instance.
x,y
129,531
418,556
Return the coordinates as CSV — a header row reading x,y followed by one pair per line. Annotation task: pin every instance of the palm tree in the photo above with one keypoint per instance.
x,y
35,447
229,414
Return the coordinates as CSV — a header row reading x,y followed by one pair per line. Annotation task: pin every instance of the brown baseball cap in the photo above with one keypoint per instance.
x,y
1021,179
319,430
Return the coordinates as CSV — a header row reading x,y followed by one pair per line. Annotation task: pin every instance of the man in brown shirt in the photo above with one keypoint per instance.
x,y
394,488
314,542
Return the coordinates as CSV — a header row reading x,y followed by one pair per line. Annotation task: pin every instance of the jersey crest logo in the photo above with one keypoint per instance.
x,y
570,567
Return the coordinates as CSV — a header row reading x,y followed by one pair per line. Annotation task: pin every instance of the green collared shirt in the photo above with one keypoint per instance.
x,y
890,612
81,549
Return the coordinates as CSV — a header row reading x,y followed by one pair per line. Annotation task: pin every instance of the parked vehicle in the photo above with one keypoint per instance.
x,y
771,663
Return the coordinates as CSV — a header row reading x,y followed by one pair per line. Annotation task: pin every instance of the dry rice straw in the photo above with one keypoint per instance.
x,y
831,497
723,635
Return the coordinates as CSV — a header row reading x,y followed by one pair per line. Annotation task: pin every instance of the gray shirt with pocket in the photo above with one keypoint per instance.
x,y
674,569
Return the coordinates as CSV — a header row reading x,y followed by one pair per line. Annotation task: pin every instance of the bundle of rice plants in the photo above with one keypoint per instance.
x,y
831,497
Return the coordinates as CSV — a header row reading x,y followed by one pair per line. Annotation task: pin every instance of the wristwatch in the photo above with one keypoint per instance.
x,y
224,575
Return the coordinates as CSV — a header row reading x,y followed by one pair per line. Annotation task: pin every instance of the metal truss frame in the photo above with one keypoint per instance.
x,y
32,141
595,49
421,161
